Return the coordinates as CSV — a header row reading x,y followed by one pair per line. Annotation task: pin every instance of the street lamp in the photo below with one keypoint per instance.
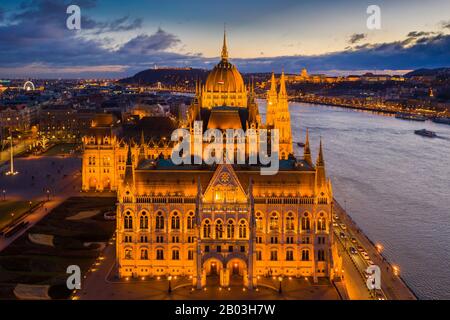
x,y
4,194
170,284
379,247
12,217
280,279
396,270
48,194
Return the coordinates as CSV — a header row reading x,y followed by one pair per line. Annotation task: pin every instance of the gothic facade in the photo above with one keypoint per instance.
x,y
227,220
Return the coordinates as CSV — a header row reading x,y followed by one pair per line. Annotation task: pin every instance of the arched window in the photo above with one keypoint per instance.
x,y
273,221
321,223
143,220
207,229
144,254
159,254
289,255
159,221
128,254
219,229
290,222
175,221
321,255
190,221
259,222
242,229
273,255
230,229
306,222
305,255
128,221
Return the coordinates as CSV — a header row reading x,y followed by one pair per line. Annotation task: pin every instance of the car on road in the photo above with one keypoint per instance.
x,y
353,250
360,249
370,262
336,217
343,226
353,240
342,235
335,224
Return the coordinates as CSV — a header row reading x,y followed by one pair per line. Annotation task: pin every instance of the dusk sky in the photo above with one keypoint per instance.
x,y
119,38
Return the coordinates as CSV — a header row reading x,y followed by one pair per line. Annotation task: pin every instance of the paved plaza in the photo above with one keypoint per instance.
x,y
59,175
100,283
37,174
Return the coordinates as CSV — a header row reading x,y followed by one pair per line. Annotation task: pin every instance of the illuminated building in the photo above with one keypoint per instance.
x,y
226,220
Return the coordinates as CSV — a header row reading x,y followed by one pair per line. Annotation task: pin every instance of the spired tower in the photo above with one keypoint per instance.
x,y
272,101
282,121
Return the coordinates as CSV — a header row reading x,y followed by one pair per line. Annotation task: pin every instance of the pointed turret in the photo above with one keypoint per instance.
x,y
321,180
307,149
129,176
320,160
142,147
282,92
272,101
273,83
224,46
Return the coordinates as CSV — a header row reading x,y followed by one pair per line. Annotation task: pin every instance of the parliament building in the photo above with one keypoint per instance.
x,y
224,221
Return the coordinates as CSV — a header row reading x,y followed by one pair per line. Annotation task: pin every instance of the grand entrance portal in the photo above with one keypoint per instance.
x,y
225,273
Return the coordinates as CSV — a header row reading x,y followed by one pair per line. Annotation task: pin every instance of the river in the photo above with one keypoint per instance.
x,y
394,184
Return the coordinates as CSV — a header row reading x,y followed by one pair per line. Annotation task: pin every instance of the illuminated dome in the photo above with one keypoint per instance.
x,y
224,84
225,77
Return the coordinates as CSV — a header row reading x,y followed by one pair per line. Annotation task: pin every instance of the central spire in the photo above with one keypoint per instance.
x,y
224,47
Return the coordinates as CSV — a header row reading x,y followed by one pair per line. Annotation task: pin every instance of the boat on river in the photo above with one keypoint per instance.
x,y
426,133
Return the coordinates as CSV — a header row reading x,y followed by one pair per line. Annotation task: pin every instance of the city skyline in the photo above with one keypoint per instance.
x,y
321,36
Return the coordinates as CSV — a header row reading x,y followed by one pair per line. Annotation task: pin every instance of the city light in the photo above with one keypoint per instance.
x,y
379,247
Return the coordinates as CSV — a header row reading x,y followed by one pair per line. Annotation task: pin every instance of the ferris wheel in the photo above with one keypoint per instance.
x,y
28,86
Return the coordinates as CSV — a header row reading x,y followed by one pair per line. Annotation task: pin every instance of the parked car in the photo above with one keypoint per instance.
x,y
360,249
353,250
353,240
370,262
343,226
342,235
336,217
365,255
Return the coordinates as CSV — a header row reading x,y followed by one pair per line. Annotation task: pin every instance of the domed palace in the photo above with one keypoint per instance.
x,y
219,224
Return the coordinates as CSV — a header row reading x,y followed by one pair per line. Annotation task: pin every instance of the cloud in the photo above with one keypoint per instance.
x,y
445,24
117,25
145,44
416,34
36,35
35,42
356,37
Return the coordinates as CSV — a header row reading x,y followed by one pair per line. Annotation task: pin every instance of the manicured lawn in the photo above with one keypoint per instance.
x,y
8,207
28,263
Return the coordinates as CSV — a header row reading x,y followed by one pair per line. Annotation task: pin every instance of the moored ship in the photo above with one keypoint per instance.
x,y
410,116
444,120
